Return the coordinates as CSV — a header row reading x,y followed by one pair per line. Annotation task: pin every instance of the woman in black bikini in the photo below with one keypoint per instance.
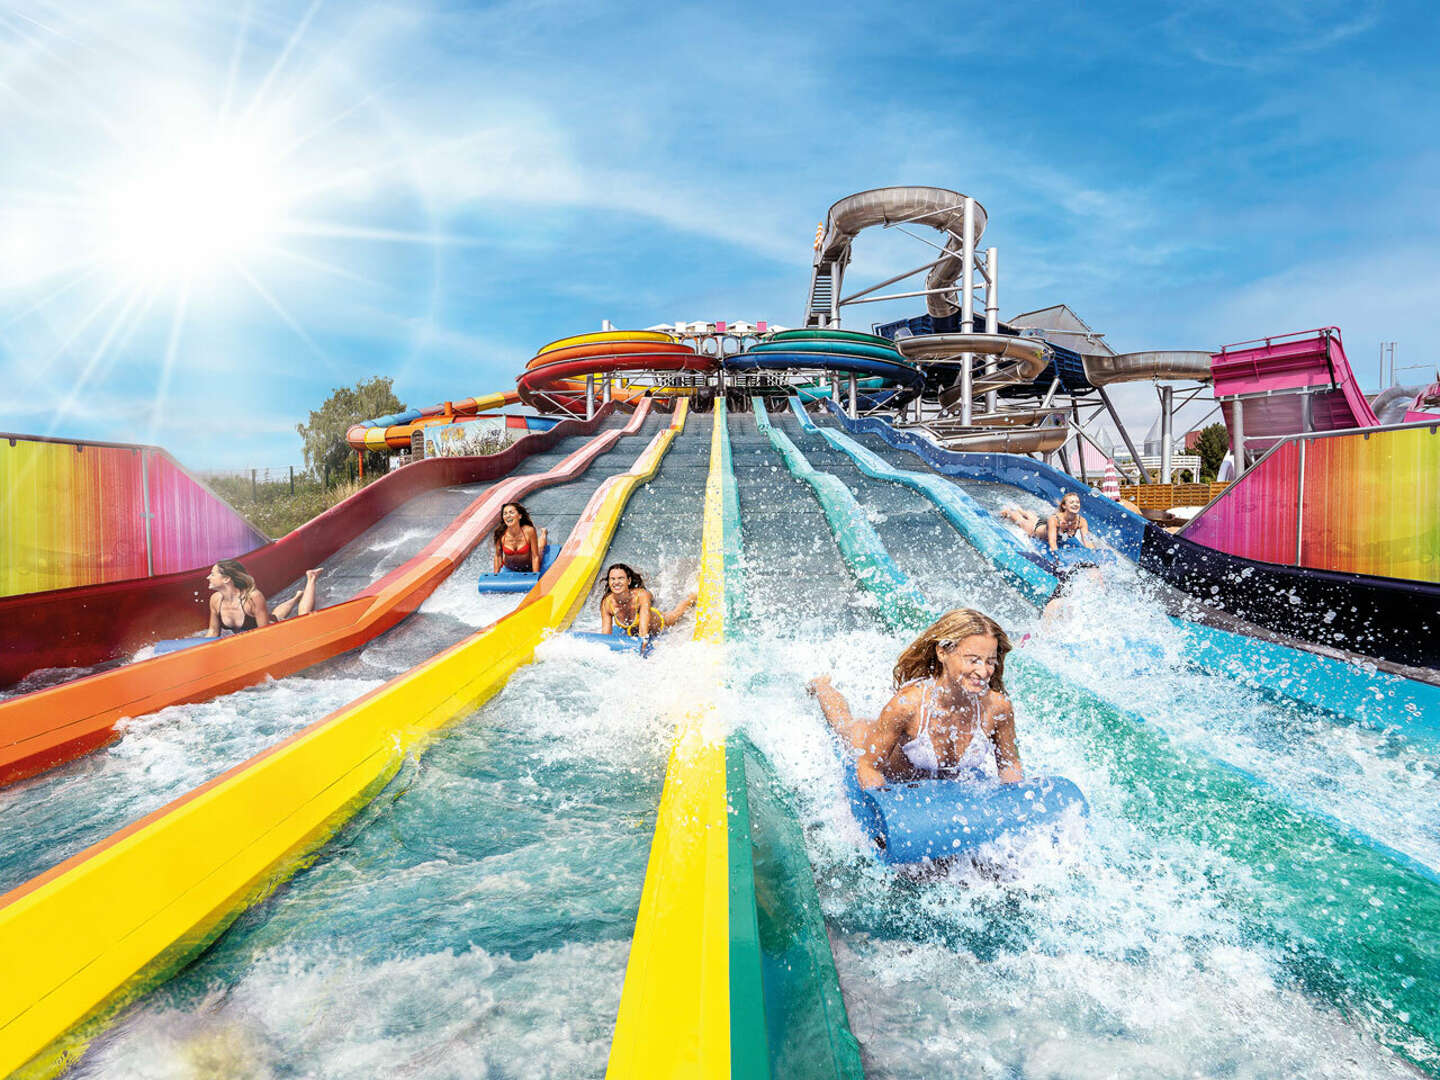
x,y
1065,525
518,545
236,605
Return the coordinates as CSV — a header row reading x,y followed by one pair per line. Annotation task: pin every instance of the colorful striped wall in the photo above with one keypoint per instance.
x,y
74,513
1370,505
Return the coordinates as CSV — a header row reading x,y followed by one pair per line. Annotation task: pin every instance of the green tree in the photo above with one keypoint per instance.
x,y
326,451
1212,446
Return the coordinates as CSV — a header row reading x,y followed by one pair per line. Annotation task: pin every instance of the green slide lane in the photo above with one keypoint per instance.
x,y
1356,929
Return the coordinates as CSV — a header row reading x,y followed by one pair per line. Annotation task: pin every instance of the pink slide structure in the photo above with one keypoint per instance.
x,y
1286,385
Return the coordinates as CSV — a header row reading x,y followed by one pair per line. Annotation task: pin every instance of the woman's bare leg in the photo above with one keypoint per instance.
x,y
307,594
1026,519
672,617
304,599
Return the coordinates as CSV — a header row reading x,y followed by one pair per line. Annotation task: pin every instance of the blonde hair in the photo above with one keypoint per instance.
x,y
921,658
239,577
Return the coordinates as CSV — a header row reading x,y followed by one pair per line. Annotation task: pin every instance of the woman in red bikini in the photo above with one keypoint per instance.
x,y
518,545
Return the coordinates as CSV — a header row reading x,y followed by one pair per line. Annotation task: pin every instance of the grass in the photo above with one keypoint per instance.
x,y
273,509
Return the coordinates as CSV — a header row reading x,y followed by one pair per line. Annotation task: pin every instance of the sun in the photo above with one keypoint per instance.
x,y
194,210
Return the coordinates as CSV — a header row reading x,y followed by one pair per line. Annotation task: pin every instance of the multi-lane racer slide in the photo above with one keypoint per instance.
x,y
44,728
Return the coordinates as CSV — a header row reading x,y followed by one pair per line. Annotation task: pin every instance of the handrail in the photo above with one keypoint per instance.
x,y
1306,436
1277,338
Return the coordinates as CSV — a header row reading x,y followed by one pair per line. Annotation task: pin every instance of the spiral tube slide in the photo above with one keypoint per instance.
x,y
393,432
832,352
704,994
939,208
41,730
83,626
554,377
1381,951
82,939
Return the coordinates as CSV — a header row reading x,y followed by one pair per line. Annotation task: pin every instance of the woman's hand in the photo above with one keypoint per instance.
x,y
817,684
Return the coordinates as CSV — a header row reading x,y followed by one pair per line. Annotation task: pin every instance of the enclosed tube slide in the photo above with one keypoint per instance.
x,y
835,352
553,379
1159,365
393,432
80,627
939,208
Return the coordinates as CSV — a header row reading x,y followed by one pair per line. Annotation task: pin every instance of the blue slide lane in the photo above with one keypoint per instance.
x,y
1352,689
877,468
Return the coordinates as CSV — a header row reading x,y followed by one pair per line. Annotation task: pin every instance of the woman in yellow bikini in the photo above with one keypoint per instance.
x,y
630,607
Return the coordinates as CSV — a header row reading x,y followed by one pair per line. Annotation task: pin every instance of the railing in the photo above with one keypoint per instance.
x,y
1164,496
1362,501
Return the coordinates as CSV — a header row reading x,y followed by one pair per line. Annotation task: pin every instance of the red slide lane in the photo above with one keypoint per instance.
x,y
92,623
41,730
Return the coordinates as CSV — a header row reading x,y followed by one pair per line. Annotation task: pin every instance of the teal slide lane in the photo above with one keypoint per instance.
x,y
1346,688
963,512
1358,925
864,554
1122,529
976,526
783,981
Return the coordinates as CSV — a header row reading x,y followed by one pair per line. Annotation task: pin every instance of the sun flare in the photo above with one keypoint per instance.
x,y
211,203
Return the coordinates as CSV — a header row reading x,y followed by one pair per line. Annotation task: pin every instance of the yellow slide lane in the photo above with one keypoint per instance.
x,y
81,940
674,1018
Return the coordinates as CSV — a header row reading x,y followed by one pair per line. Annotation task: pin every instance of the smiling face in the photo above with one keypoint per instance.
x,y
970,661
1070,504
619,582
510,515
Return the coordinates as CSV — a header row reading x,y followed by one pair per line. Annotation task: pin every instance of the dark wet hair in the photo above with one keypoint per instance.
x,y
500,529
235,570
636,581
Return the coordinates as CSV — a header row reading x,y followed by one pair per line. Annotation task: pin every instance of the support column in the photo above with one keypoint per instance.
x,y
967,309
1079,442
1167,422
590,396
1125,435
992,316
1237,436
854,397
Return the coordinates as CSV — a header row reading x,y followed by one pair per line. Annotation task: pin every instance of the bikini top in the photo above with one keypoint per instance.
x,y
920,751
248,624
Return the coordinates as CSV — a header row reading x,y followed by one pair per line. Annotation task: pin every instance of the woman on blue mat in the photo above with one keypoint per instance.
x,y
1065,526
950,715
630,607
236,605
518,545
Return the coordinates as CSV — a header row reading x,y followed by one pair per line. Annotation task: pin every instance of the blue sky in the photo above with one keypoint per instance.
x,y
210,215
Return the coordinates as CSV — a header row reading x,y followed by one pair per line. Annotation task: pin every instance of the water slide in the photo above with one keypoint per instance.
x,y
606,863
47,727
1278,386
394,432
46,634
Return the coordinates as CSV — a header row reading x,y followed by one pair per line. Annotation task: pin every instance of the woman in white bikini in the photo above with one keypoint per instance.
x,y
950,714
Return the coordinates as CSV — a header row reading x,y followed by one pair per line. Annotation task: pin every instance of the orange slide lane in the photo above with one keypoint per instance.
x,y
41,730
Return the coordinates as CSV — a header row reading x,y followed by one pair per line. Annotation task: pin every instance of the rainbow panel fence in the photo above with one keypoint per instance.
x,y
1365,502
75,513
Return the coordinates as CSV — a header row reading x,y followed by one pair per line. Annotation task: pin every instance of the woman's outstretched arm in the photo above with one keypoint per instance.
x,y
1007,754
874,740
